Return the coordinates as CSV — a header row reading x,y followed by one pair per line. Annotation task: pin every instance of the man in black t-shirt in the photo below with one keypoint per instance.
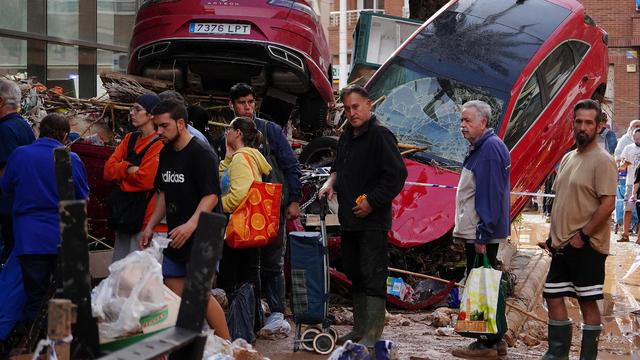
x,y
187,181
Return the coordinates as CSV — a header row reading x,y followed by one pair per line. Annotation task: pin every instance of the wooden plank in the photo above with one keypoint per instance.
x,y
62,313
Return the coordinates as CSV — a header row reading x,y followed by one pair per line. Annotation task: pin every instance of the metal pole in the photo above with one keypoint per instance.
x,y
343,44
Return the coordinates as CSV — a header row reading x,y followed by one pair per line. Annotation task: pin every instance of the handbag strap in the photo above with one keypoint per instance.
x,y
250,165
265,139
485,260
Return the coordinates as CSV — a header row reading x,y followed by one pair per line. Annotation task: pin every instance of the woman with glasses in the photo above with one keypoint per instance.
x,y
242,165
134,171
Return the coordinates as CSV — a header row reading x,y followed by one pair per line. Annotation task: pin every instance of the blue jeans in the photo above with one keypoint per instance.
x,y
36,277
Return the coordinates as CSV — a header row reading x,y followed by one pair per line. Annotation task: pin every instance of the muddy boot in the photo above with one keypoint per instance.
x,y
358,321
476,350
559,340
374,315
589,348
501,347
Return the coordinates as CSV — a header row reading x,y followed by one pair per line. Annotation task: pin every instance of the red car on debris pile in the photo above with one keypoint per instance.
x,y
206,46
530,60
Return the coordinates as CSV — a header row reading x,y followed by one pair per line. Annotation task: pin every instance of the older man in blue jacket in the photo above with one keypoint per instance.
x,y
482,203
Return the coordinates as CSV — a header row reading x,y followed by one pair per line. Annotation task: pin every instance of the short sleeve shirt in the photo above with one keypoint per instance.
x,y
582,179
185,177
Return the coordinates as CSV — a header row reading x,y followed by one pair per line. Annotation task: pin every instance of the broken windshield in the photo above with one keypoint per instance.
x,y
424,110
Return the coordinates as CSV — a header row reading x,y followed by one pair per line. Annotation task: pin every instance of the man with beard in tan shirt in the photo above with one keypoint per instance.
x,y
580,234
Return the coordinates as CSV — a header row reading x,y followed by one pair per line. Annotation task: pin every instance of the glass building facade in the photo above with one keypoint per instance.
x,y
66,43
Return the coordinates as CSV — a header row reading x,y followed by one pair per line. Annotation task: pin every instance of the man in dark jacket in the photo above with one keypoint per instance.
x,y
242,100
367,174
482,204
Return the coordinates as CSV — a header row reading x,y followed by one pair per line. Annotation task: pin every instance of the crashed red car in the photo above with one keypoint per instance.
x,y
530,60
206,46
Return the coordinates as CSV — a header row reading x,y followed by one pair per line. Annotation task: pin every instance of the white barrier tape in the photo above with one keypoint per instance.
x,y
51,345
512,193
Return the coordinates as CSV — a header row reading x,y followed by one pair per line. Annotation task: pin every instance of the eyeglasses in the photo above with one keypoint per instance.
x,y
228,129
136,109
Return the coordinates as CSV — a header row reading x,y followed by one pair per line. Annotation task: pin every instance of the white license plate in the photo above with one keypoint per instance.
x,y
227,29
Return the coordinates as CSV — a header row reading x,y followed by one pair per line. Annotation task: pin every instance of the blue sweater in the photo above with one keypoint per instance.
x,y
482,199
30,175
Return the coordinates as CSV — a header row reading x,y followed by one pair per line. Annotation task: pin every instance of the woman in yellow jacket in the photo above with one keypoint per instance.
x,y
242,165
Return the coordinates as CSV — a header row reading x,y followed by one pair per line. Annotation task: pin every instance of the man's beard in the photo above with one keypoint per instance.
x,y
171,141
585,140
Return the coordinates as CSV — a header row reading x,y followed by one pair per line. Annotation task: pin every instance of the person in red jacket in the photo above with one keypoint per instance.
x,y
130,177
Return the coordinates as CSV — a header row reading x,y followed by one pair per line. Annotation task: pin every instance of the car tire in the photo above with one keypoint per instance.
x,y
313,113
319,152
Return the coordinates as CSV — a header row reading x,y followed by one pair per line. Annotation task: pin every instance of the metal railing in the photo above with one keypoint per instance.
x,y
352,16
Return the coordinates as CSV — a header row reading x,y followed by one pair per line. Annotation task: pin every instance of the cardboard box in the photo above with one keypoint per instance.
x,y
149,325
99,261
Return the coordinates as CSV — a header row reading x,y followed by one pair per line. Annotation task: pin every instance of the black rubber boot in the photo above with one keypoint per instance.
x,y
589,348
374,315
559,340
359,320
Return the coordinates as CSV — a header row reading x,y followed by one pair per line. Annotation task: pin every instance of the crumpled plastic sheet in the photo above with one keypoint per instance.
x,y
275,328
218,348
132,290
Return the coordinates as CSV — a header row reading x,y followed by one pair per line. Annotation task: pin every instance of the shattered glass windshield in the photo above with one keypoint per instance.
x,y
424,110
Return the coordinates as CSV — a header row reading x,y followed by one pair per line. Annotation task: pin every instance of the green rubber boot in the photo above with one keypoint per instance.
x,y
589,348
374,314
559,340
358,320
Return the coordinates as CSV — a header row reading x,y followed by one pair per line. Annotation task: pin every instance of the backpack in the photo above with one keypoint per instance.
x,y
125,210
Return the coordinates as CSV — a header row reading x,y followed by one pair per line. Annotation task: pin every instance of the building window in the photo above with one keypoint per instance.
x,y
116,19
62,18
62,68
13,55
14,15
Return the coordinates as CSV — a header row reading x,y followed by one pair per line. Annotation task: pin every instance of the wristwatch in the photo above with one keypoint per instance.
x,y
584,236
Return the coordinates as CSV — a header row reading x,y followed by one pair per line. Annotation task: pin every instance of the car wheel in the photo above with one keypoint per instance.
x,y
319,152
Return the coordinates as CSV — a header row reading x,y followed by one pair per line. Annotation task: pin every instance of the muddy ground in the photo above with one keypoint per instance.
x,y
417,338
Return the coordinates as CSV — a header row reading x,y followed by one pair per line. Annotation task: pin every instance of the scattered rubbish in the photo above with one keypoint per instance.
x,y
221,297
385,350
350,351
445,331
132,290
453,299
428,288
217,348
276,327
94,139
399,288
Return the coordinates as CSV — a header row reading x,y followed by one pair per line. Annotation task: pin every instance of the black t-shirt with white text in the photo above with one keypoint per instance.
x,y
185,177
